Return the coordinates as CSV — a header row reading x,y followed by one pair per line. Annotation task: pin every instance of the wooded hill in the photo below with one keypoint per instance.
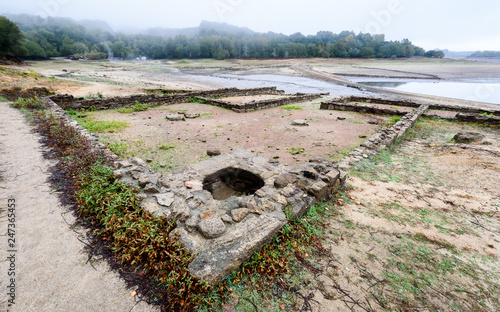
x,y
52,37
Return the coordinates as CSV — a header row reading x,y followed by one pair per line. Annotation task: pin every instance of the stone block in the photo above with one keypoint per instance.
x,y
284,179
212,227
239,214
165,199
319,190
225,254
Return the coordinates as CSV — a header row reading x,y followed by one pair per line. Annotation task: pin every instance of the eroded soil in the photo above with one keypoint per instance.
x,y
422,228
267,132
418,229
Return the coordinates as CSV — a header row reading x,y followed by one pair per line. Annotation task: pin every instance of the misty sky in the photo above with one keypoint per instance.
x,y
446,24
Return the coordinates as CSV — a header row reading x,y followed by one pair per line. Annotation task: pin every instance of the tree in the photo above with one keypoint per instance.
x,y
33,50
367,52
10,37
434,53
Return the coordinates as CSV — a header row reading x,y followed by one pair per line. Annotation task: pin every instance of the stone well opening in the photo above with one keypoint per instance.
x,y
232,181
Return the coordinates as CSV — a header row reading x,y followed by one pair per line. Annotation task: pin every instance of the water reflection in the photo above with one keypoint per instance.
x,y
383,84
290,84
487,91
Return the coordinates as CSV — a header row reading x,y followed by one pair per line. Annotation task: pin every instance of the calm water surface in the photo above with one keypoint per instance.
x,y
290,84
485,90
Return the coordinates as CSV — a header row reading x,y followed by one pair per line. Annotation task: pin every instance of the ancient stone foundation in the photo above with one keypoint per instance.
x,y
205,97
383,138
229,206
366,105
226,207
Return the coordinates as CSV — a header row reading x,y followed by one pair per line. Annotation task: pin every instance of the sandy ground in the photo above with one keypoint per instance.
x,y
131,77
444,193
51,269
266,132
53,273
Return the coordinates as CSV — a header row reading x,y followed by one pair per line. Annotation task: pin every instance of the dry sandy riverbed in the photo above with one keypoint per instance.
x,y
433,194
267,132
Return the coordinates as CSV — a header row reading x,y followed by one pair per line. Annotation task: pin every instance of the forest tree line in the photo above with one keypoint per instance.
x,y
40,38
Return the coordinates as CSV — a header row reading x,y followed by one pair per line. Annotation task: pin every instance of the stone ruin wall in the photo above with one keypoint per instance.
x,y
464,114
224,232
253,106
383,138
412,103
67,102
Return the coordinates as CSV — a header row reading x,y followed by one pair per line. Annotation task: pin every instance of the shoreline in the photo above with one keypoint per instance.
x,y
117,79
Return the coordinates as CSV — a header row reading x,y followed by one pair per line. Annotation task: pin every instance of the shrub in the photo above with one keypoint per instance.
x,y
30,103
140,107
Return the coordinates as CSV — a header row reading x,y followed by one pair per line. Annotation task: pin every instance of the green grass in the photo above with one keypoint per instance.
x,y
291,107
119,148
30,103
395,119
414,271
166,147
197,100
296,150
3,99
138,107
103,126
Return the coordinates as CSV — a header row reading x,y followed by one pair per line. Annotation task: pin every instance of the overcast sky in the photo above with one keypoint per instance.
x,y
446,24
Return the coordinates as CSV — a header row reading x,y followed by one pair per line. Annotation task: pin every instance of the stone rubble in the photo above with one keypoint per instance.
x,y
205,224
383,138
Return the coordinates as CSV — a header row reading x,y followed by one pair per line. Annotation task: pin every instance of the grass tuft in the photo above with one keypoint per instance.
x,y
291,107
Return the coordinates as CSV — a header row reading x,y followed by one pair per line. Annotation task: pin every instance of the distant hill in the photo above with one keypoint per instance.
x,y
485,54
456,54
95,39
96,24
204,28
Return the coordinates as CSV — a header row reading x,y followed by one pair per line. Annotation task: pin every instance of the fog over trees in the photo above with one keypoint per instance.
x,y
51,37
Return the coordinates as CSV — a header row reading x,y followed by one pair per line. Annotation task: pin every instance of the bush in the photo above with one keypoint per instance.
x,y
140,107
30,103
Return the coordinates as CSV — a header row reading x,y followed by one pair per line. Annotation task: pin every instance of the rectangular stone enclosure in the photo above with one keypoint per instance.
x,y
227,207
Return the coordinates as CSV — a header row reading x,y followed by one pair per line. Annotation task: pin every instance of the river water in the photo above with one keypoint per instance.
x,y
480,90
290,84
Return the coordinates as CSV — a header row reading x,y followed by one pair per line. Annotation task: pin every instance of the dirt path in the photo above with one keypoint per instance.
x,y
51,269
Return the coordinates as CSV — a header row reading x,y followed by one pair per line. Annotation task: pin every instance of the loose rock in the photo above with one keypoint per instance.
x,y
165,199
180,210
144,180
239,214
266,205
207,214
213,152
174,117
468,137
212,227
151,188
300,122
138,162
285,179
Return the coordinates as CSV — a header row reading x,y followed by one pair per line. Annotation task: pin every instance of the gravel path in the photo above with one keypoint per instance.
x,y
51,269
